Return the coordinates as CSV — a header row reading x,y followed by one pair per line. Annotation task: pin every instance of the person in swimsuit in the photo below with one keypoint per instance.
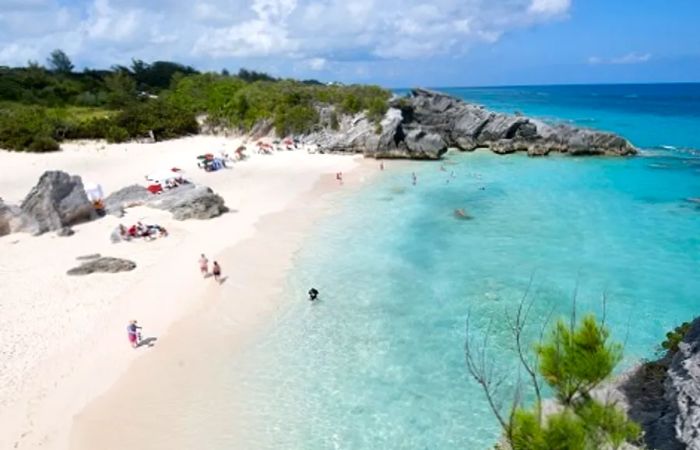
x,y
216,270
133,332
415,178
204,265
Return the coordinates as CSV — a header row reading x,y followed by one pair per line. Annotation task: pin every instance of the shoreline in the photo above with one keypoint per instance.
x,y
64,336
224,323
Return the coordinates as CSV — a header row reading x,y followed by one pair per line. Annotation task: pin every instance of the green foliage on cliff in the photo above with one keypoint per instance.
x,y
674,337
290,105
40,107
573,360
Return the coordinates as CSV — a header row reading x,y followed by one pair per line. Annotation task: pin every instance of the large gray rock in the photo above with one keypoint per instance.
x,y
126,197
104,264
391,138
190,201
426,123
468,126
58,200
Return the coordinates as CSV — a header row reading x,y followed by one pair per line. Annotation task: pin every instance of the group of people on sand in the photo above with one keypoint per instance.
x,y
140,230
215,268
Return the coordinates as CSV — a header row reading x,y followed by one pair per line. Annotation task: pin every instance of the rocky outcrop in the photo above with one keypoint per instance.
x,y
104,264
126,197
425,124
391,138
13,219
190,201
663,396
58,200
467,127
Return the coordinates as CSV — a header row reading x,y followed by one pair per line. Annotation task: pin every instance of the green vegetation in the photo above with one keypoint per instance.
x,y
572,359
673,338
40,107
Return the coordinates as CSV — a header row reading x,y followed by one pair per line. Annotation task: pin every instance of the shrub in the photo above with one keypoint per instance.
x,y
115,134
20,126
674,338
43,143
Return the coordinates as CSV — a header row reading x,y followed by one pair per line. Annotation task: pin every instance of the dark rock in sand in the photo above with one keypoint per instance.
x,y
103,265
190,201
116,202
58,200
65,232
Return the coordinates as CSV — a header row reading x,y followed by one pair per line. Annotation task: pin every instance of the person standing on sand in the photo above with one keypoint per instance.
x,y
132,331
204,265
381,165
216,270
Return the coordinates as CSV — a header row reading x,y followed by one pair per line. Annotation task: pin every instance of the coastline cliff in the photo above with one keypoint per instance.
x,y
424,124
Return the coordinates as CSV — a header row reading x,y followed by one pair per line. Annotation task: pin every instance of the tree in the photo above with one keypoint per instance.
x,y
121,88
573,359
59,62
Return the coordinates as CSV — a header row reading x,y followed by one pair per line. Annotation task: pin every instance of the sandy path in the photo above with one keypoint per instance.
x,y
63,338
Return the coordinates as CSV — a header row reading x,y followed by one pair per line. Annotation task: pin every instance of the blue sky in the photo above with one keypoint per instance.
x,y
395,43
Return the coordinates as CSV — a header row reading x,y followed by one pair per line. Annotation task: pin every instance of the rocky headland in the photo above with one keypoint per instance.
x,y
425,124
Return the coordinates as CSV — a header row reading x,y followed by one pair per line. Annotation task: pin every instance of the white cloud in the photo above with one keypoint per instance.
x,y
316,63
316,33
629,58
550,7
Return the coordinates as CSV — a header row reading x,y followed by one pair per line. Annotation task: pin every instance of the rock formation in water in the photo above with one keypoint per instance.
x,y
425,124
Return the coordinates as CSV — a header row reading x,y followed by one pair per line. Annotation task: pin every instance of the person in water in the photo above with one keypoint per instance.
x,y
381,165
204,265
216,271
415,178
133,332
461,213
313,294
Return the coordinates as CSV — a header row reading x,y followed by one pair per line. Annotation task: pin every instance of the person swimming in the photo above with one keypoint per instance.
x,y
313,294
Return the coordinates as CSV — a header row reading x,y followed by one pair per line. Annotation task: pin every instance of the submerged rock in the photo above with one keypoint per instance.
x,y
103,265
58,200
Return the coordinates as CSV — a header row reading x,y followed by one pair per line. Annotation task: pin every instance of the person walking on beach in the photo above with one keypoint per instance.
x,y
133,332
204,265
216,271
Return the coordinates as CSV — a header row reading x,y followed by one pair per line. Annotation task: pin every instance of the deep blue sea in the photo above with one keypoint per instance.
x,y
378,363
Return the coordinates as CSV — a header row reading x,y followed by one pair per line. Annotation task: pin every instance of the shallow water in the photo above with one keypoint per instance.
x,y
379,361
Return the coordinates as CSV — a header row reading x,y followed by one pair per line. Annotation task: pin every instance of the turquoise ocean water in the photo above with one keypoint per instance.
x,y
378,363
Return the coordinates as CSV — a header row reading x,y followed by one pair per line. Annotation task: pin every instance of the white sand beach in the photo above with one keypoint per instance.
x,y
64,340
